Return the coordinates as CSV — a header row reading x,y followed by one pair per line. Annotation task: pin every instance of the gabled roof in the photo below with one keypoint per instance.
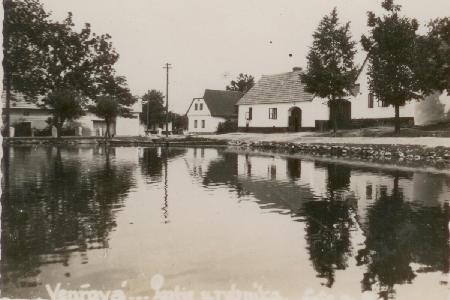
x,y
220,103
279,88
19,101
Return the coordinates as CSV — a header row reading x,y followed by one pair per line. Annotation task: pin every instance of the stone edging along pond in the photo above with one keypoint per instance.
x,y
407,155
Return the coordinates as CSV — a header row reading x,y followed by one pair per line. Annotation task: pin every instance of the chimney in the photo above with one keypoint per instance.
x,y
297,69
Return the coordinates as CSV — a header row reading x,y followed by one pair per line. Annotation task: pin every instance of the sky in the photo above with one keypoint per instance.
x,y
209,42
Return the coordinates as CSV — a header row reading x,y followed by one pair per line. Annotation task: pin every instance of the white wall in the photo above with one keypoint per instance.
x,y
311,111
211,122
37,118
433,108
360,104
124,126
127,127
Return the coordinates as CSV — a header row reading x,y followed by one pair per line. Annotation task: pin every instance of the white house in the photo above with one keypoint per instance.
x,y
279,103
205,114
27,118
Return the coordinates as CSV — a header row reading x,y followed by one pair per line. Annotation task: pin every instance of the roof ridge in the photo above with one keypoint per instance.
x,y
284,73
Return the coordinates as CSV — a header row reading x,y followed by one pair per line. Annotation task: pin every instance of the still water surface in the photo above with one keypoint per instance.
x,y
208,219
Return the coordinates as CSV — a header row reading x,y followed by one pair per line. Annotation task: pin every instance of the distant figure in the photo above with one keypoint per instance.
x,y
54,131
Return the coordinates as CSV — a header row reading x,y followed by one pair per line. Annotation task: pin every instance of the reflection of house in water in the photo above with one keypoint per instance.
x,y
273,181
310,179
152,160
402,215
198,160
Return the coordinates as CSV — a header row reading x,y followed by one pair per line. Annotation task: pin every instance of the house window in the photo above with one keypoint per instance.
x,y
370,100
356,89
273,113
382,103
369,192
272,171
201,106
196,106
250,113
26,113
195,123
203,123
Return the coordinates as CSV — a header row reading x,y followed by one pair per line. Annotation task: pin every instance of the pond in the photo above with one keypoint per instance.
x,y
197,223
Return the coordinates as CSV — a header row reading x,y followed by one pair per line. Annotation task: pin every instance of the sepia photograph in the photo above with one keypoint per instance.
x,y
225,150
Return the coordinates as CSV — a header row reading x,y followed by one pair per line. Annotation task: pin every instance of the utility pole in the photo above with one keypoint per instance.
x,y
148,116
167,67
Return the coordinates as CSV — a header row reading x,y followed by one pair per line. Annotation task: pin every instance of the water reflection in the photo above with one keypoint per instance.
x,y
210,215
403,215
398,234
58,204
328,225
152,160
154,166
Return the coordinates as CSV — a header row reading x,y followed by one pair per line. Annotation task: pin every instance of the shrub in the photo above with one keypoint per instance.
x,y
47,131
227,126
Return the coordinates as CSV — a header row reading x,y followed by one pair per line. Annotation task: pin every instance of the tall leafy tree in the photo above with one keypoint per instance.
x,y
438,38
331,71
153,111
107,108
64,105
114,100
24,23
243,83
44,57
403,66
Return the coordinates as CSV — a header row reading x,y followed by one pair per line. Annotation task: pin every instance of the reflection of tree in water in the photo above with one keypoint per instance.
x,y
399,233
294,168
152,160
223,170
56,206
328,224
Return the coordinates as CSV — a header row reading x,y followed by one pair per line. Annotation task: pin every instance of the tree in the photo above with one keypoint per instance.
x,y
178,121
115,100
23,24
43,56
64,105
107,108
331,72
437,42
243,83
153,110
395,65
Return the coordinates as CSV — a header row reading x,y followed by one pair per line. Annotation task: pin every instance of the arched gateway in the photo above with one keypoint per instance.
x,y
295,119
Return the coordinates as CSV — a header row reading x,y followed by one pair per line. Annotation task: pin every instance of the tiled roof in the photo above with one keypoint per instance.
x,y
279,88
222,103
18,101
